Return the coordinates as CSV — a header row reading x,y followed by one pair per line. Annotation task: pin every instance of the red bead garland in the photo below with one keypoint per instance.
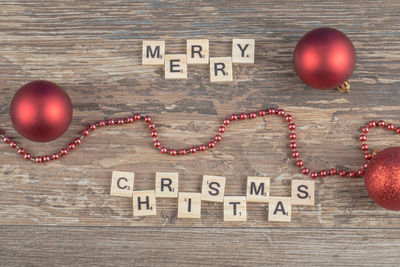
x,y
217,138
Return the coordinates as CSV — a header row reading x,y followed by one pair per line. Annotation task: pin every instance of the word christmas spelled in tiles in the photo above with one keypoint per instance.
x,y
197,52
213,190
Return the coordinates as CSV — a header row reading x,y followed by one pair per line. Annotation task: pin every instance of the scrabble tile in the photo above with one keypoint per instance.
x,y
153,52
235,209
243,50
167,184
279,209
122,184
144,203
213,188
221,69
197,51
257,189
303,192
175,66
189,205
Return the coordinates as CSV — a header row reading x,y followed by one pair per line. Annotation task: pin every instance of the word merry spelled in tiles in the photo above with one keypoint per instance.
x,y
213,190
197,52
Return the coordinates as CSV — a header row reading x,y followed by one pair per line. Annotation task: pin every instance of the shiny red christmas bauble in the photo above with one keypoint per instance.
x,y
41,111
324,58
382,178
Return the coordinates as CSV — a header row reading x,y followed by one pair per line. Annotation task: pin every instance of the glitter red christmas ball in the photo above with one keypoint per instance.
x,y
382,178
41,111
324,58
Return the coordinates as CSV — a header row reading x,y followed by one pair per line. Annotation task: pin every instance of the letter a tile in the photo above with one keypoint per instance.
x,y
279,209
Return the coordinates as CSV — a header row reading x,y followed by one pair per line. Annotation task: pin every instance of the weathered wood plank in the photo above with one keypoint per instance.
x,y
93,49
76,190
112,246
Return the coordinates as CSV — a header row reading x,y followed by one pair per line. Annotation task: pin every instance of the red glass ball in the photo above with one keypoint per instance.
x,y
382,178
41,111
324,58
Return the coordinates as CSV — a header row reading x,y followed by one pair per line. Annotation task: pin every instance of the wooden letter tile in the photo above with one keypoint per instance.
x,y
279,209
175,67
257,189
167,184
153,52
213,188
197,51
221,69
122,184
189,205
303,192
243,50
144,203
235,209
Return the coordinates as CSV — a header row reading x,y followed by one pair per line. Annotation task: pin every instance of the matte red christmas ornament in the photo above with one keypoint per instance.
x,y
382,178
324,59
41,111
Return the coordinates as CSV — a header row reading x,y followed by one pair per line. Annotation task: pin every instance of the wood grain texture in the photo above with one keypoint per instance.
x,y
93,50
127,246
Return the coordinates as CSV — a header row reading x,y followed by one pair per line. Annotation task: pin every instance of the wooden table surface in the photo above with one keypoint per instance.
x,y
62,214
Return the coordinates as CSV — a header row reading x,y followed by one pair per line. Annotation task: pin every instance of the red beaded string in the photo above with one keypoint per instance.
x,y
217,138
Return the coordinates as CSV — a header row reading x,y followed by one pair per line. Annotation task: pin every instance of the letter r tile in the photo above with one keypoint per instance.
x,y
197,51
167,184
221,69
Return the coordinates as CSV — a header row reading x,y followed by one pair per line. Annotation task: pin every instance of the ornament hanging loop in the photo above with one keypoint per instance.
x,y
344,88
376,151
